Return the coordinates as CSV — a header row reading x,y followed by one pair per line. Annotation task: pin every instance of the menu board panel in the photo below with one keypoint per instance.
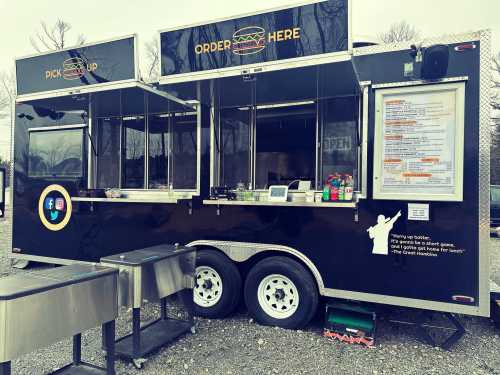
x,y
419,143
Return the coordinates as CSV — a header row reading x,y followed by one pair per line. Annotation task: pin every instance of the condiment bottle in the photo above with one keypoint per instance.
x,y
342,188
334,190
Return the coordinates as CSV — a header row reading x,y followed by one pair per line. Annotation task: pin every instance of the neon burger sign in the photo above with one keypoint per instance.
x,y
73,68
248,41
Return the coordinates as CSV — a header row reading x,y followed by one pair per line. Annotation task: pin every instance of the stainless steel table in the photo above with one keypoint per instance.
x,y
153,274
42,308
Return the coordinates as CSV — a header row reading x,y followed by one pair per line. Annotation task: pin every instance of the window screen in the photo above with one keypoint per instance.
x,y
56,153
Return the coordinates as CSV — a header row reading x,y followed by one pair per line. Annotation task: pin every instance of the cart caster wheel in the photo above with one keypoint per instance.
x,y
193,330
139,363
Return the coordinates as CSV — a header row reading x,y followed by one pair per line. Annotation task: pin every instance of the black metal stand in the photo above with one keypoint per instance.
x,y
149,338
81,368
423,330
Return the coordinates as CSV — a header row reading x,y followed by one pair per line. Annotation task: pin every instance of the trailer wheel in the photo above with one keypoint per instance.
x,y
217,286
280,292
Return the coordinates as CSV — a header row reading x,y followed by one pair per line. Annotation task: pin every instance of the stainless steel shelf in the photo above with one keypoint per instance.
x,y
280,204
125,200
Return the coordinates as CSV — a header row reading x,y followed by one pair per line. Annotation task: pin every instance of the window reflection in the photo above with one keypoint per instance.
x,y
133,152
159,145
340,137
108,152
184,146
56,153
235,147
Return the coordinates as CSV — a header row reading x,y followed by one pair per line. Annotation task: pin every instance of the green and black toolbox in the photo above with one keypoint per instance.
x,y
350,322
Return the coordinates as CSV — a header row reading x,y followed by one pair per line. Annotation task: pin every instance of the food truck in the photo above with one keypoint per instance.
x,y
298,166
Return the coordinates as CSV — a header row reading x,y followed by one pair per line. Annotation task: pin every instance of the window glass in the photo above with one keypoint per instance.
x,y
495,195
159,145
57,153
108,152
340,137
283,86
133,152
107,103
285,145
236,92
235,146
184,145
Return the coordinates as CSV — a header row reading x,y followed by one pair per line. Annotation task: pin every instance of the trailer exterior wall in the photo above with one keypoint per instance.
x,y
329,238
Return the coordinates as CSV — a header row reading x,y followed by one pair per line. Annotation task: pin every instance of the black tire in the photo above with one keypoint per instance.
x,y
495,314
295,272
231,284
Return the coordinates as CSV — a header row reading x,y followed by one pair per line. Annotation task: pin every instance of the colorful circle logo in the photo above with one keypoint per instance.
x,y
54,207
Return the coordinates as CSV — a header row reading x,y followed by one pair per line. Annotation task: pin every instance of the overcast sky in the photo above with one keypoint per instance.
x,y
102,19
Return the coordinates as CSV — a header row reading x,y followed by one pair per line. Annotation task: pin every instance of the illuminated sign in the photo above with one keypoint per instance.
x,y
73,68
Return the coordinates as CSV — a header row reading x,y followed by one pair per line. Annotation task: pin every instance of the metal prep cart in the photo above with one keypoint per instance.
x,y
153,274
42,308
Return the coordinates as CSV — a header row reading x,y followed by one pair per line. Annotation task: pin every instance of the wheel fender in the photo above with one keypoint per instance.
x,y
242,251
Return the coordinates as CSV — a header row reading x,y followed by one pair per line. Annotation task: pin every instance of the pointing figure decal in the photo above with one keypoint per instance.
x,y
380,233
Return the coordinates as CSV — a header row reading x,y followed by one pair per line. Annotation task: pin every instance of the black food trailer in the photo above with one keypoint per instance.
x,y
298,166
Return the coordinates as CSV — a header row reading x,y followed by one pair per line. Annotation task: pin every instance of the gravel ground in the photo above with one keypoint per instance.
x,y
239,346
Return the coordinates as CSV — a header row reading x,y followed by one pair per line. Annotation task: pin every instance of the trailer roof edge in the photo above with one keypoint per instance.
x,y
447,39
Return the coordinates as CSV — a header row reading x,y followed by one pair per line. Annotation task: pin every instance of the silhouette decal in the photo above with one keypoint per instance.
x,y
380,233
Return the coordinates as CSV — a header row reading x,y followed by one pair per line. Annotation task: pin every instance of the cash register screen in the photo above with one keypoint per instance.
x,y
278,193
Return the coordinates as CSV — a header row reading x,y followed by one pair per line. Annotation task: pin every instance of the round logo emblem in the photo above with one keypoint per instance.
x,y
54,207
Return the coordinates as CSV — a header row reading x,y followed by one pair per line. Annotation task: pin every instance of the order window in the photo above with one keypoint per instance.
x,y
285,145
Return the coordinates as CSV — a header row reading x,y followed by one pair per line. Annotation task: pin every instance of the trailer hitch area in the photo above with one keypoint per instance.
x,y
435,334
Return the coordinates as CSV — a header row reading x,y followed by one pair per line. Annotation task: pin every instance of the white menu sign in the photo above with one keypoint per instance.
x,y
419,143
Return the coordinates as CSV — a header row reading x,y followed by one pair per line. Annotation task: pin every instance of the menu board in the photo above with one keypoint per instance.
x,y
419,143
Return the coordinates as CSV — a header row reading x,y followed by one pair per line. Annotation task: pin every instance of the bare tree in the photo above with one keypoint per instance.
x,y
7,92
400,32
54,37
495,97
152,60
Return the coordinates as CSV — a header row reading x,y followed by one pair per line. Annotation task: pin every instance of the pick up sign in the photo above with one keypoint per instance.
x,y
88,65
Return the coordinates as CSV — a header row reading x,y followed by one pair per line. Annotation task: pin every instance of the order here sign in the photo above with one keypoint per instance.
x,y
307,30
